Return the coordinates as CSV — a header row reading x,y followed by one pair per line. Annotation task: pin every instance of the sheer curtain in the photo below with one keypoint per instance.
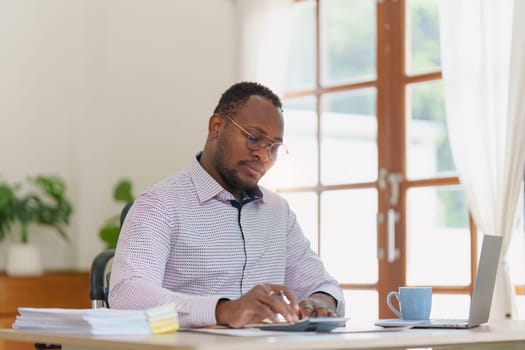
x,y
483,65
263,31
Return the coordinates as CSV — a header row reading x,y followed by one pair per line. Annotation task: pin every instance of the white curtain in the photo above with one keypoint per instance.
x,y
263,30
483,65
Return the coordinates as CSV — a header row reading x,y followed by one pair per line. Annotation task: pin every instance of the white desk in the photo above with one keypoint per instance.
x,y
501,335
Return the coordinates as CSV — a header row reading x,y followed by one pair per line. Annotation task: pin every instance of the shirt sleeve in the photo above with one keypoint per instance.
x,y
305,272
138,269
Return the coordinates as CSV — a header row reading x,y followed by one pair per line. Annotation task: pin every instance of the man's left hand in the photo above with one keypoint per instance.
x,y
318,305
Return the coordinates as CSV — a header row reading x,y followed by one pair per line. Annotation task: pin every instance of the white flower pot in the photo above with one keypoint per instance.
x,y
23,260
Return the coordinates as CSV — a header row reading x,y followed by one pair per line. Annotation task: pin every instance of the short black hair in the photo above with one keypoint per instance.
x,y
238,94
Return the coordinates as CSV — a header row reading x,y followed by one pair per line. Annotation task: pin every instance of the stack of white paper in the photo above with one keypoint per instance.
x,y
162,319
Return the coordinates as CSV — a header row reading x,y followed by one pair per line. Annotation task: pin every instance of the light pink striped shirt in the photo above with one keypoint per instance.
x,y
184,242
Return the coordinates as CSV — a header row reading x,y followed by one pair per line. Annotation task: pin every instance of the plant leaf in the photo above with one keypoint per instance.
x,y
109,234
43,203
51,185
122,191
6,209
6,195
61,232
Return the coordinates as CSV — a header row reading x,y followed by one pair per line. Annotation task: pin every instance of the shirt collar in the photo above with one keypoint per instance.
x,y
207,187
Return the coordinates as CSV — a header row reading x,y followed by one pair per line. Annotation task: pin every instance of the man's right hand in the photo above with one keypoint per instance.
x,y
261,302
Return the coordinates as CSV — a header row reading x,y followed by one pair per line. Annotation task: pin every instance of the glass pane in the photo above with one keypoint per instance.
x,y
299,167
348,41
422,38
428,148
301,67
349,137
437,231
520,304
516,253
304,204
349,235
450,306
361,304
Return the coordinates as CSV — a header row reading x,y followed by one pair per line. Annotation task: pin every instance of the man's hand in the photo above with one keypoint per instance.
x,y
318,305
261,302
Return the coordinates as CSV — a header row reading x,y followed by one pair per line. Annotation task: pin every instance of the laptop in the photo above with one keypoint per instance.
x,y
481,295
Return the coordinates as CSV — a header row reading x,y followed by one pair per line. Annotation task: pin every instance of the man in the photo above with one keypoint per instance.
x,y
209,239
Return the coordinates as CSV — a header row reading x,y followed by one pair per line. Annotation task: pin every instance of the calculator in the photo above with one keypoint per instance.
x,y
309,324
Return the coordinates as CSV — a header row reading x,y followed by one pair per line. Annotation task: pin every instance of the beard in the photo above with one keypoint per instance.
x,y
229,175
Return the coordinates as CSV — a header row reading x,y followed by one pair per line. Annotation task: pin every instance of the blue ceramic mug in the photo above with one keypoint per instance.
x,y
414,302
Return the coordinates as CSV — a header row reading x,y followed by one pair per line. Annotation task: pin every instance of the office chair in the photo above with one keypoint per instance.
x,y
101,271
99,278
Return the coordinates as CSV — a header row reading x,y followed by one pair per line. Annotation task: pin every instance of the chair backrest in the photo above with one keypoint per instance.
x,y
101,271
99,278
124,212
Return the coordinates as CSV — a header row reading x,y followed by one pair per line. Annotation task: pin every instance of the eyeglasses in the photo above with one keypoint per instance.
x,y
257,141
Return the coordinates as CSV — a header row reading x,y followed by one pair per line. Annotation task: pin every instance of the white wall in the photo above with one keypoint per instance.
x,y
96,91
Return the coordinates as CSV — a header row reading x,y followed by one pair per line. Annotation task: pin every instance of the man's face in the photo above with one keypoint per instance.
x,y
239,167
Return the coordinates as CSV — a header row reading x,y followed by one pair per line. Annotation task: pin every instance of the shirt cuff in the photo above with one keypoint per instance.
x,y
201,312
337,294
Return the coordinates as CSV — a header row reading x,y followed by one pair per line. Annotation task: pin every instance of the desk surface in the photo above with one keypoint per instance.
x,y
499,334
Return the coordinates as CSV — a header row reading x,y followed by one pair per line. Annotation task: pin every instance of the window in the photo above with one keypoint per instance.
x,y
370,172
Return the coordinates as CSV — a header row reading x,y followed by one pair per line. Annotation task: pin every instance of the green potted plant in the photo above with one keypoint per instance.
x,y
42,201
110,230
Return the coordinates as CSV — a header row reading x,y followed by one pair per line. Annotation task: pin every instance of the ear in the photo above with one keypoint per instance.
x,y
215,125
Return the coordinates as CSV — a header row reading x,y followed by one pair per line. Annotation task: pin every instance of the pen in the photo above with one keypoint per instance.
x,y
283,296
